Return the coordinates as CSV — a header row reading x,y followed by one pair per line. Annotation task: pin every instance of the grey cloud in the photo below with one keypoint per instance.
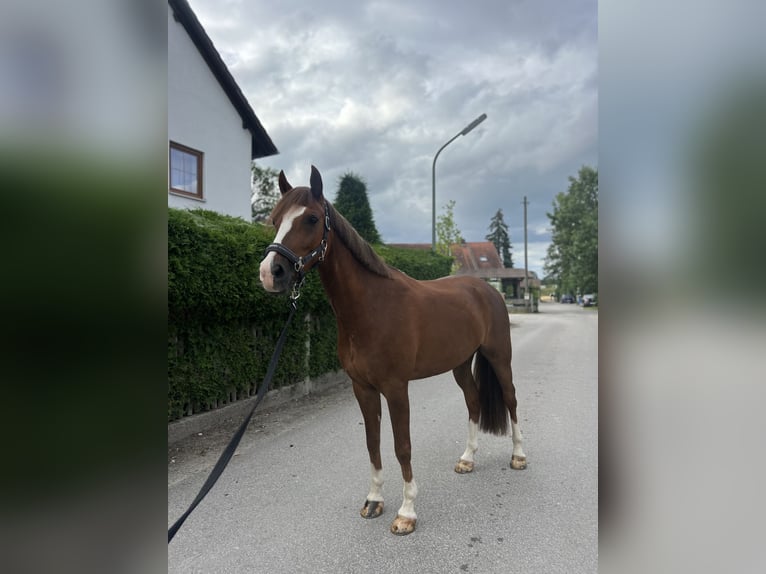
x,y
378,87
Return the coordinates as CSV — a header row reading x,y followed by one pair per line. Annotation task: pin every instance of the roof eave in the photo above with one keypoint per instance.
x,y
261,146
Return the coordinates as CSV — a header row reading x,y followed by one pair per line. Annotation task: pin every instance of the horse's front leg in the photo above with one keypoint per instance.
x,y
369,403
399,409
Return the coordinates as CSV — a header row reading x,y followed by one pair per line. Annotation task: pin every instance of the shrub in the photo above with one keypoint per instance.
x,y
222,326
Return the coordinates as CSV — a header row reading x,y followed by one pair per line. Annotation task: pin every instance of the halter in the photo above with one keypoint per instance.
x,y
300,263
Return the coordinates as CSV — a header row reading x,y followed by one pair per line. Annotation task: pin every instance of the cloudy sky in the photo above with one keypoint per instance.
x,y
376,87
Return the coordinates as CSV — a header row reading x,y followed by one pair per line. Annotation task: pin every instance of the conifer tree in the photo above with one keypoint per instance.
x,y
352,202
498,235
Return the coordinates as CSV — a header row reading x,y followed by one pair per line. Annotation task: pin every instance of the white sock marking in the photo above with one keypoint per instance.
x,y
376,484
517,440
410,493
472,443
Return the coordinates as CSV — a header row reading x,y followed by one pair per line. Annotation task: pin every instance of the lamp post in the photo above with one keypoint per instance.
x,y
462,132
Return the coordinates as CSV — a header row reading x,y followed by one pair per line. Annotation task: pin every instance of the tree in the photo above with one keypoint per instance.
x,y
726,171
264,192
352,202
498,235
572,259
447,232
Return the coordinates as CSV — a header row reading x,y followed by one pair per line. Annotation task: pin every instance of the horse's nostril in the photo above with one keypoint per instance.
x,y
277,270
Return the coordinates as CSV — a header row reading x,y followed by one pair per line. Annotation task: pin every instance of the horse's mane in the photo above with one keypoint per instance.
x,y
359,248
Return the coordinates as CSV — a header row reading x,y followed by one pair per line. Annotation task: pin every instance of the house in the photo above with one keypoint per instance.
x,y
482,260
213,133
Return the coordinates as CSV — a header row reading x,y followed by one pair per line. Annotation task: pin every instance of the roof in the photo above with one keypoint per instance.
x,y
482,260
474,256
262,145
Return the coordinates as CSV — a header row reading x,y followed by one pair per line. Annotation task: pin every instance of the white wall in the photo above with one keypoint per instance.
x,y
201,116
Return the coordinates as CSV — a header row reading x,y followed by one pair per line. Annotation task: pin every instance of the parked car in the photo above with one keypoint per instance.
x,y
567,299
589,300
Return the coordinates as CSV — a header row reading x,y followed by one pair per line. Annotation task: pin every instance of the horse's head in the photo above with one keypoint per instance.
x,y
302,222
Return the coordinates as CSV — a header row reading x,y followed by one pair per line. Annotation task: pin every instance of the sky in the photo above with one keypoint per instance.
x,y
377,87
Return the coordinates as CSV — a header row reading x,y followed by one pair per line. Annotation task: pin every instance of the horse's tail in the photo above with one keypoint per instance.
x,y
493,417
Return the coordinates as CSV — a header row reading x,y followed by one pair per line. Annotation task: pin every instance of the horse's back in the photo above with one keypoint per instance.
x,y
462,307
470,290
416,329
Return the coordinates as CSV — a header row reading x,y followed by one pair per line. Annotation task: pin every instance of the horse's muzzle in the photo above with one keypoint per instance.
x,y
276,273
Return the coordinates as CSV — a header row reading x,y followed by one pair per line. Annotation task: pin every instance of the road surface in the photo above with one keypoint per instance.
x,y
289,500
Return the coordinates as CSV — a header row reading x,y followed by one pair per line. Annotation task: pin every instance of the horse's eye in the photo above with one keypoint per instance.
x,y
313,219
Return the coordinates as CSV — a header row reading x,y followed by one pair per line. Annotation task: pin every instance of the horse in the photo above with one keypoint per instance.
x,y
393,329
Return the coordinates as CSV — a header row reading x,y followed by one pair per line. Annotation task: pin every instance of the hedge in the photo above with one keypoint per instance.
x,y
222,325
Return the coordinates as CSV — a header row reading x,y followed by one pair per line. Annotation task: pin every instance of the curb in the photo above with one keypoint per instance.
x,y
202,422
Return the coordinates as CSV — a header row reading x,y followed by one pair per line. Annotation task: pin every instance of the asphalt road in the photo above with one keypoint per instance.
x,y
290,499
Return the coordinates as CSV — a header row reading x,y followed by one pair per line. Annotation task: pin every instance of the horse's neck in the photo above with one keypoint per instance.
x,y
345,280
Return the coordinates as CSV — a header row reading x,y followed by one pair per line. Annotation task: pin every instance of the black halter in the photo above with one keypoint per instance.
x,y
300,263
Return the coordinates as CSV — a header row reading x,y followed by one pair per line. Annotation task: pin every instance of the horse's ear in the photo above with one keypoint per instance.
x,y
284,185
316,183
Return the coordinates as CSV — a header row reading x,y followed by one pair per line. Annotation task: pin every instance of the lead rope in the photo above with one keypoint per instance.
x,y
232,446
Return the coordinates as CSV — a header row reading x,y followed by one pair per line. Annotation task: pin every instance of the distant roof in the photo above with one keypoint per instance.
x,y
262,145
474,256
481,260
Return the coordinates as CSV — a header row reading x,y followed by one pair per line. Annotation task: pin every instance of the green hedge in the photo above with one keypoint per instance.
x,y
222,325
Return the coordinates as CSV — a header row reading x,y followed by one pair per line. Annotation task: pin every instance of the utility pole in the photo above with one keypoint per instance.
x,y
527,290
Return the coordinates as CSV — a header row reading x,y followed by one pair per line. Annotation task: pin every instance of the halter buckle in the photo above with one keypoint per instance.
x,y
296,290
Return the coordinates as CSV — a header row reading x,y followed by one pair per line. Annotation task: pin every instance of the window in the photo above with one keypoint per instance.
x,y
185,171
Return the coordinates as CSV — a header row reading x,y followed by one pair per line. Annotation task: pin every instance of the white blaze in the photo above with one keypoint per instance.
x,y
284,228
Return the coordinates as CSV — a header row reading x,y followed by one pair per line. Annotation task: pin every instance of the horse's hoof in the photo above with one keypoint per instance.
x,y
463,466
401,525
518,462
372,509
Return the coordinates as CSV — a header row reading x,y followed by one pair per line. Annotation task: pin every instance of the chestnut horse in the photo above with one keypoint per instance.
x,y
392,329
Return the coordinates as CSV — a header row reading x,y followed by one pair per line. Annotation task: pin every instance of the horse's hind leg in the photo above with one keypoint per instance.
x,y
518,458
500,359
466,382
369,403
505,376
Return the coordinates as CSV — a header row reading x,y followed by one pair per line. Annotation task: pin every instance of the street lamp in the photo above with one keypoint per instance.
x,y
462,132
